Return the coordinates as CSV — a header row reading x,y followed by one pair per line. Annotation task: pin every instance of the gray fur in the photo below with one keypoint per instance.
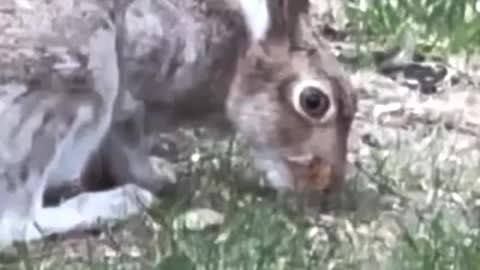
x,y
56,105
59,81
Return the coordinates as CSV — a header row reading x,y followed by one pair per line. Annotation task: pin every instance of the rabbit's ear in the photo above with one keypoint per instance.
x,y
257,18
272,20
291,12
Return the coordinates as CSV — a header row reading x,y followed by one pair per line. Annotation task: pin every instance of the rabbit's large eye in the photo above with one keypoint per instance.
x,y
314,102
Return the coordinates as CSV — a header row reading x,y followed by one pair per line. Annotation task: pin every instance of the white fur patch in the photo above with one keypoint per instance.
x,y
257,17
275,169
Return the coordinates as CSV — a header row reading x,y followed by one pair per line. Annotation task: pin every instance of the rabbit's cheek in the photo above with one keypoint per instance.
x,y
277,171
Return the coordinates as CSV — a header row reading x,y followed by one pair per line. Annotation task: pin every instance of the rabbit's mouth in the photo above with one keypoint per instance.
x,y
310,172
299,173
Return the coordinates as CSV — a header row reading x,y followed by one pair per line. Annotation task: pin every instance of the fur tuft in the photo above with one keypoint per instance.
x,y
257,17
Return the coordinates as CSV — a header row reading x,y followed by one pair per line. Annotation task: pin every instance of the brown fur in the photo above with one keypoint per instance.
x,y
271,68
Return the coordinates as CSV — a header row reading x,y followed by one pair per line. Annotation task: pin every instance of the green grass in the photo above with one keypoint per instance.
x,y
432,27
438,244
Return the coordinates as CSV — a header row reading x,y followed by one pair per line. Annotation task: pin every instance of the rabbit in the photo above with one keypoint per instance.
x,y
153,66
237,70
57,95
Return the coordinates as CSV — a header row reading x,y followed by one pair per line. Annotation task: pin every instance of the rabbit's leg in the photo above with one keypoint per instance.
x,y
49,138
91,209
92,123
17,209
85,211
52,121
126,157
129,156
36,135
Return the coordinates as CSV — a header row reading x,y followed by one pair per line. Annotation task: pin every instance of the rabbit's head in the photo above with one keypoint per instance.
x,y
294,106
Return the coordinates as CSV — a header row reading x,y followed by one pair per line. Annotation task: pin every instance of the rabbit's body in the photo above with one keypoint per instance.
x,y
157,65
59,85
179,57
177,60
175,47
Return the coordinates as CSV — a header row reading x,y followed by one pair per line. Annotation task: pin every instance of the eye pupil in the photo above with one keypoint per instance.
x,y
314,101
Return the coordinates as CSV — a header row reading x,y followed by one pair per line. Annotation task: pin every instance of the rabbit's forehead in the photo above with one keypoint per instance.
x,y
308,71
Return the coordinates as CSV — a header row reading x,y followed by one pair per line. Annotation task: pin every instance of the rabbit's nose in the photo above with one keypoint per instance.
x,y
313,174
